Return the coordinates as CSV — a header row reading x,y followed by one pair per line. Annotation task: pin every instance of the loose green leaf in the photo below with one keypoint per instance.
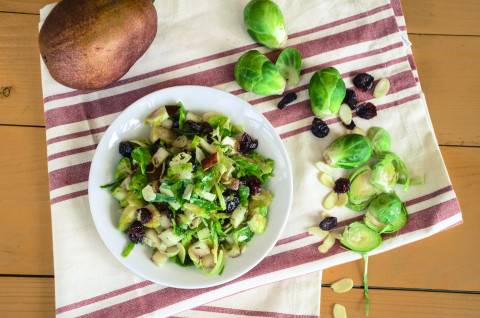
x,y
142,157
128,249
289,64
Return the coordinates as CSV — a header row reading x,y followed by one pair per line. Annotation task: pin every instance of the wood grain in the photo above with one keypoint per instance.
x,y
448,68
27,297
444,261
442,16
24,6
20,70
34,297
400,303
26,233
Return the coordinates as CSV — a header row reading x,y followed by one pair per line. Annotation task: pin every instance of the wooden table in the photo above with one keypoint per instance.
x,y
436,277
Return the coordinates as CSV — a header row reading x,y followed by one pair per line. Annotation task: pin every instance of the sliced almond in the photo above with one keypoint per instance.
x,y
339,311
342,199
336,235
343,285
360,131
326,180
345,114
327,244
315,230
324,167
382,88
330,200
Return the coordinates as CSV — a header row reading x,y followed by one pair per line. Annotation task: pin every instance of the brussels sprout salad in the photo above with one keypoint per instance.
x,y
194,191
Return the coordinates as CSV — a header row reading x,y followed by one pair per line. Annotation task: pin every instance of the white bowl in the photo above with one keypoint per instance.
x,y
129,125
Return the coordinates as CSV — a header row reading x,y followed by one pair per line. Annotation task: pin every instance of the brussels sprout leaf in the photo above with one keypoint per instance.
x,y
289,64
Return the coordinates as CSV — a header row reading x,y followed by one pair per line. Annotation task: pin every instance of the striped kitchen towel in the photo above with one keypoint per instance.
x,y
198,43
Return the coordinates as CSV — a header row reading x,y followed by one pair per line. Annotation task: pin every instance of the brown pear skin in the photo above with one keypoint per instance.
x,y
89,44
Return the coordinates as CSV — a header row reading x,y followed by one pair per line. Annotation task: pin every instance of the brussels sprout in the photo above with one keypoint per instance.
x,y
387,170
327,91
289,64
362,191
255,73
348,151
380,140
386,207
265,24
374,223
360,238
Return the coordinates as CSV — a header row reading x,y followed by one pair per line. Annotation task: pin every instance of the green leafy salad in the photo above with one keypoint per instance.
x,y
194,191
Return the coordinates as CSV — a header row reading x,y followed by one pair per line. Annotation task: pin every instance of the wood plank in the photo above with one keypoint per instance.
x,y
427,16
34,297
442,17
27,297
400,303
20,70
448,68
444,261
26,233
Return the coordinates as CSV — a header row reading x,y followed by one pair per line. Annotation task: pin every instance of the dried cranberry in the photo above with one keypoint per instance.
x,y
350,99
202,127
366,111
176,123
290,97
342,185
247,144
319,128
136,232
231,202
155,175
161,206
350,126
125,148
170,214
328,223
363,81
255,185
156,145
145,215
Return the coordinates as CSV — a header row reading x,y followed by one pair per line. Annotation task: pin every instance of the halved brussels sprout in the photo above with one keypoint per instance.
x,y
327,91
360,238
372,222
289,64
380,140
255,73
361,191
265,23
386,171
348,151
